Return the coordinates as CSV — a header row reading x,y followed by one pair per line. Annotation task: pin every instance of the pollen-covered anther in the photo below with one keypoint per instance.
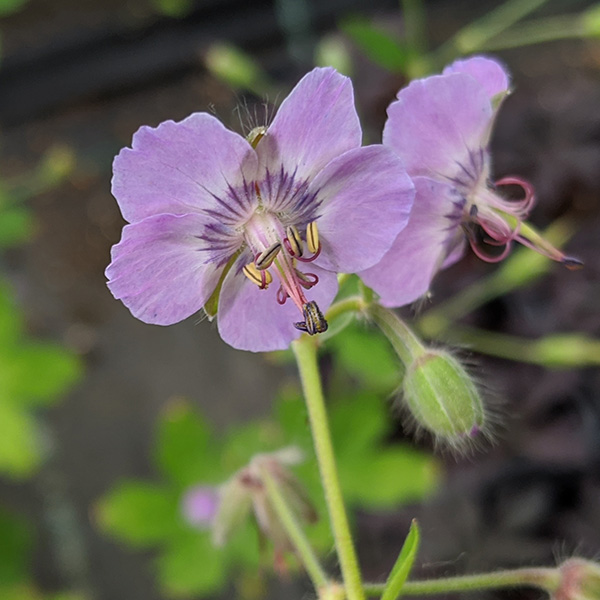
x,y
312,238
261,278
314,321
265,259
293,241
257,134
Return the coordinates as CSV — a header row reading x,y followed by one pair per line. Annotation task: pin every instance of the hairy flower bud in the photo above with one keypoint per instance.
x,y
442,398
579,580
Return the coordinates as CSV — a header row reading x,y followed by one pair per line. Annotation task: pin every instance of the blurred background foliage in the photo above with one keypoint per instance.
x,y
71,72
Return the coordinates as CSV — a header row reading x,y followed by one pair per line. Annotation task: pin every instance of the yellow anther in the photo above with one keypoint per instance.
x,y
265,259
294,240
261,278
257,134
312,237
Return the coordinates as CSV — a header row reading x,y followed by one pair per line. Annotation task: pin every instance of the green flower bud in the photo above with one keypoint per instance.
x,y
442,397
579,580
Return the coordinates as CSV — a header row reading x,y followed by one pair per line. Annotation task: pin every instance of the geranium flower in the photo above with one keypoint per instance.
x,y
265,222
440,126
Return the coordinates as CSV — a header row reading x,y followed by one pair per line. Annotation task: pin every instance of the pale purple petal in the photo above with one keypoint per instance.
x,y
313,125
184,167
251,319
405,272
159,269
365,199
487,71
439,125
199,506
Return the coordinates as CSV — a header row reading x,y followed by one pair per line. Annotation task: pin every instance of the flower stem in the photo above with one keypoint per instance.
x,y
305,351
406,344
354,304
545,578
295,532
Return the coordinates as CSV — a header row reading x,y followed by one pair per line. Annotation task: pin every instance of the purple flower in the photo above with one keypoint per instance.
x,y
200,505
440,127
265,222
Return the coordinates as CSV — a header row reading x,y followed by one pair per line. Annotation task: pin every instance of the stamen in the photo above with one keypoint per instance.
x,y
307,280
282,295
257,134
261,278
265,259
294,241
312,238
314,321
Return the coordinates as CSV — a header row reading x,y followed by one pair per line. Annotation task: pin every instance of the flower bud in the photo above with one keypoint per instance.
x,y
442,398
579,580
246,493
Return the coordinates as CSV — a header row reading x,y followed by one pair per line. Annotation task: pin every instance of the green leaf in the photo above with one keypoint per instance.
x,y
16,226
191,565
368,356
11,326
37,372
185,452
378,45
10,6
404,563
139,513
19,442
15,549
389,476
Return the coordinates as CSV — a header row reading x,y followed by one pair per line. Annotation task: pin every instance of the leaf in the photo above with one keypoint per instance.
x,y
10,6
191,565
16,226
389,476
19,442
368,356
37,372
404,563
15,548
185,452
139,513
378,45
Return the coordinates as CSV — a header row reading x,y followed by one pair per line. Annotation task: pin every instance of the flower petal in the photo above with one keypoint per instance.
x,y
251,319
365,199
159,269
405,272
487,71
313,125
183,167
439,125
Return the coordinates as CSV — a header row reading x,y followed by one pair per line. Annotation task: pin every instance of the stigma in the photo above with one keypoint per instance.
x,y
492,223
278,252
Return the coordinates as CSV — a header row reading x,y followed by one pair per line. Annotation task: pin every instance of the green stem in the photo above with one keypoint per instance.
x,y
536,32
415,28
473,37
354,304
545,578
406,344
295,533
305,350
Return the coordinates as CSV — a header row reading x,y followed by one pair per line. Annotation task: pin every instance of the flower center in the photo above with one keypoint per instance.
x,y
278,250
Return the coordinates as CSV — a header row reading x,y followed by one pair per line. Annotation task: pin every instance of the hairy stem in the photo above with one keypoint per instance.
x,y
305,350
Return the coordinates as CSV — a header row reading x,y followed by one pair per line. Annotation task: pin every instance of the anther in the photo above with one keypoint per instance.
x,y
314,321
257,134
265,259
573,264
312,237
261,278
294,241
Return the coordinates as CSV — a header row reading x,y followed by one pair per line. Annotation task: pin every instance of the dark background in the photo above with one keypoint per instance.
x,y
88,74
